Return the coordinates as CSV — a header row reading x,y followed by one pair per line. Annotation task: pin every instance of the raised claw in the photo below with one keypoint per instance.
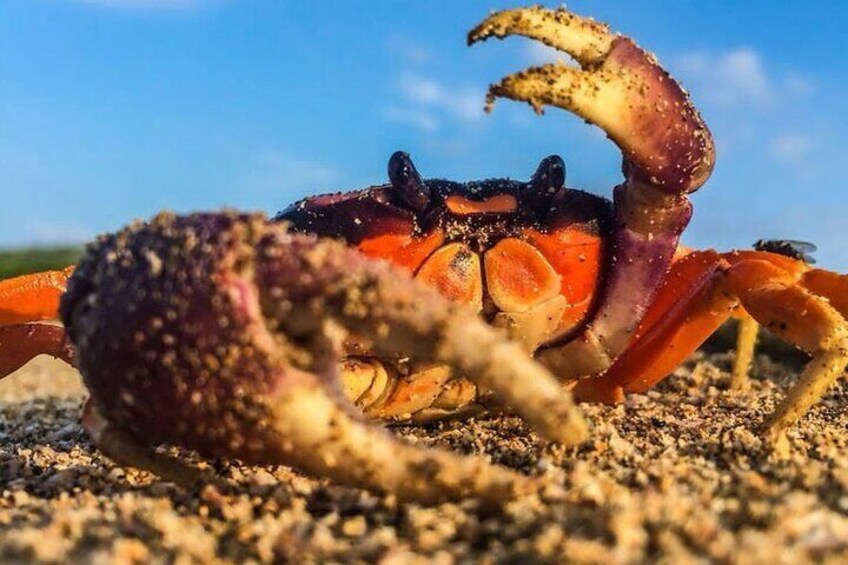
x,y
619,88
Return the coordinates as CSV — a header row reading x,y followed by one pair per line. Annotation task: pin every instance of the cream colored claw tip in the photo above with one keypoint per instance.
x,y
584,39
601,92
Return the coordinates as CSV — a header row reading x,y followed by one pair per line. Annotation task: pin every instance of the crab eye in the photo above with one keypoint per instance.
x,y
546,181
407,183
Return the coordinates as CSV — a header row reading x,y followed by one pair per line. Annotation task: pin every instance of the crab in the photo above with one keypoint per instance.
x,y
277,341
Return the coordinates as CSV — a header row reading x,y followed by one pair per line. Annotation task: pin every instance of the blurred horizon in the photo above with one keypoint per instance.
x,y
111,110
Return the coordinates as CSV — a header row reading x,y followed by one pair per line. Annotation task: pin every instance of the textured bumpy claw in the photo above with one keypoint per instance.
x,y
667,152
619,88
220,333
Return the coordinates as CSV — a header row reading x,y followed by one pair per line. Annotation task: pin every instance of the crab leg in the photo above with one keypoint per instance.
x,y
777,299
668,152
746,344
234,325
24,300
32,298
21,342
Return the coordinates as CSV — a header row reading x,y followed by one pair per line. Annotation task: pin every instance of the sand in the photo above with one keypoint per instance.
x,y
677,475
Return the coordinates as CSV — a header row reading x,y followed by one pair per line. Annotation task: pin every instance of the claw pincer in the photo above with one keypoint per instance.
x,y
219,333
667,152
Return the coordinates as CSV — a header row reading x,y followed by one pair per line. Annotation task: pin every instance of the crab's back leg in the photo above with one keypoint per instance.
x,y
780,301
746,344
668,152
827,283
803,306
24,301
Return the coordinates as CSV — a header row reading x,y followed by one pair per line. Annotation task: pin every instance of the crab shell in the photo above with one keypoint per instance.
x,y
526,255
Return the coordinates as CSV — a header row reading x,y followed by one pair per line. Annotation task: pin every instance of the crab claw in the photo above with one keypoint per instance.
x,y
219,333
619,88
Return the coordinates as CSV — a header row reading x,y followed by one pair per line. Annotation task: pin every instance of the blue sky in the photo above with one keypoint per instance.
x,y
114,109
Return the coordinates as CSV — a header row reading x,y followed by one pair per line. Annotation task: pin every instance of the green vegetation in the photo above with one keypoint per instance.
x,y
20,261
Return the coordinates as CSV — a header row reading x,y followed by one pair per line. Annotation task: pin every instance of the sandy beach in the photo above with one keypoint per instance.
x,y
677,475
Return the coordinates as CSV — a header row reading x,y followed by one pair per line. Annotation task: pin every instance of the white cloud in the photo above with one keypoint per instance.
x,y
426,103
145,5
733,78
791,148
420,119
464,103
799,85
421,90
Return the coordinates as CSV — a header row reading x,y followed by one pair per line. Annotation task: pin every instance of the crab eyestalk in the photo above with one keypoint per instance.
x,y
230,324
667,150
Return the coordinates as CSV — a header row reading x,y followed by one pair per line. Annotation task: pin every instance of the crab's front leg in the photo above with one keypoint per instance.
x,y
668,152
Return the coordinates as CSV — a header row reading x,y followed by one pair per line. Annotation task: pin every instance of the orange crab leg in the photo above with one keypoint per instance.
x,y
831,285
746,343
30,298
777,298
693,302
24,300
689,307
803,306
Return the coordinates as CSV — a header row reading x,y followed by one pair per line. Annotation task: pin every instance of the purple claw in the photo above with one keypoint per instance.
x,y
667,150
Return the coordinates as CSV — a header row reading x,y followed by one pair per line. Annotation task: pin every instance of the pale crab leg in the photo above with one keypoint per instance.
x,y
746,344
668,152
220,333
777,299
